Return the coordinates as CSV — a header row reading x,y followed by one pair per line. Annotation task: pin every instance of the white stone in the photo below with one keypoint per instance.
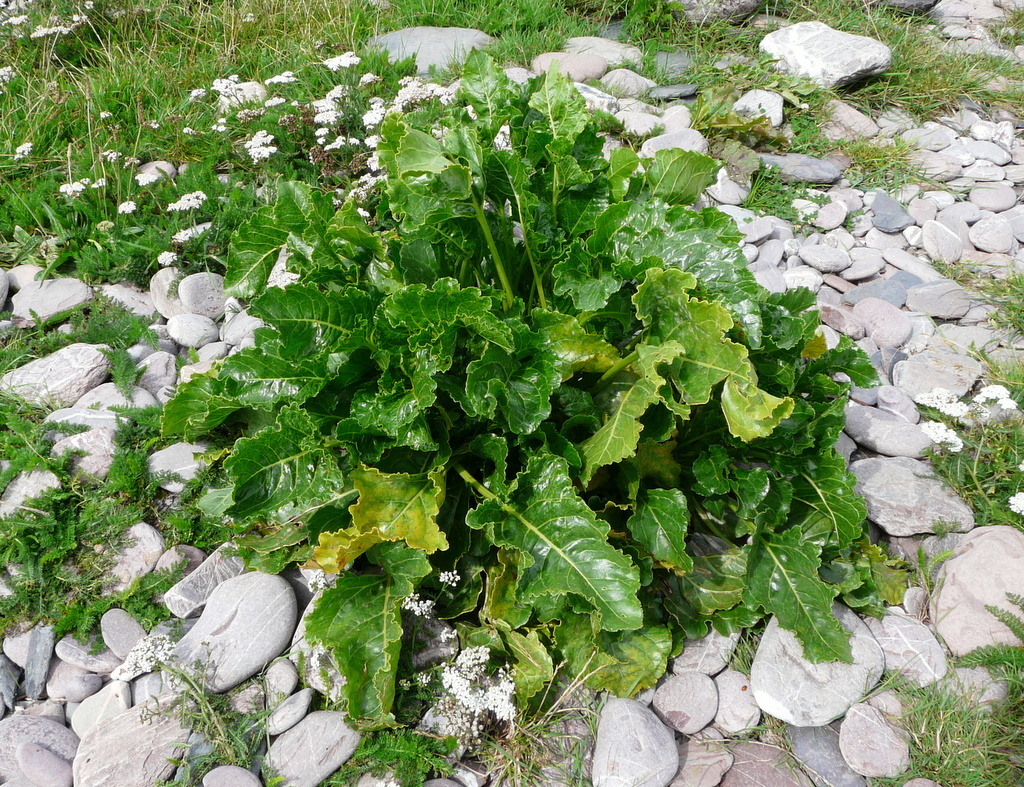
x,y
910,648
433,47
684,139
25,488
624,82
312,749
615,53
871,745
97,447
144,547
112,699
761,103
59,379
738,711
45,299
633,748
180,460
828,57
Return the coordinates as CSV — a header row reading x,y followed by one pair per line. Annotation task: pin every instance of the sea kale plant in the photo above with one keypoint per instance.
x,y
544,371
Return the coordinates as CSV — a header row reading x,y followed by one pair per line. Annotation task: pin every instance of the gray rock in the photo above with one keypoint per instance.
x,y
4,287
686,701
803,276
817,749
846,123
674,64
41,643
59,379
136,301
203,293
701,11
160,287
239,94
761,103
886,289
189,595
82,686
81,655
885,433
181,461
905,498
633,748
8,680
230,776
76,416
597,100
995,197
192,330
930,136
112,700
43,767
871,745
910,648
615,53
936,166
683,139
280,680
108,396
440,47
248,621
885,324
976,685
805,694
702,762
988,564
670,92
624,82
756,764
97,448
909,263
931,369
843,321
994,234
889,215
830,58
892,400
944,299
708,655
163,169
190,555
577,67
640,124
20,275
738,712
26,486
45,299
289,712
25,728
825,259
159,370
120,631
60,676
966,212
143,547
239,327
941,243
312,749
132,749
831,215
799,168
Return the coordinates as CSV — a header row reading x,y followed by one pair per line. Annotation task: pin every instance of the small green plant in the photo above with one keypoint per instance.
x,y
546,372
405,756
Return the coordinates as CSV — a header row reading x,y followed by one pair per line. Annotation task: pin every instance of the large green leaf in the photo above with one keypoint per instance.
x,y
660,524
623,663
619,434
750,411
564,546
391,507
716,583
783,580
576,349
309,319
282,465
533,669
198,406
825,505
680,176
360,619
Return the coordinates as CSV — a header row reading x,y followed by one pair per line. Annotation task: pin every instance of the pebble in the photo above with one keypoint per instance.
x,y
683,139
120,631
737,712
313,749
671,92
633,747
995,197
37,661
144,546
61,378
433,47
687,701
280,679
817,749
910,648
831,215
761,103
993,234
871,745
189,595
885,324
160,285
43,767
614,52
230,776
624,82
702,762
759,764
112,700
289,712
179,461
81,655
826,259
828,57
885,433
940,243
708,655
800,168
579,67
25,728
885,289
192,330
943,299
931,369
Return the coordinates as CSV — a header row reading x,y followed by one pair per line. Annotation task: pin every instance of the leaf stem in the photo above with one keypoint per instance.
x,y
493,248
480,488
608,376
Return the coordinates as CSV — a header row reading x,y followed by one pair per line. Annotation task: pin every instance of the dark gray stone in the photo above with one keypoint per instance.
x,y
669,92
41,643
906,279
817,749
8,682
890,216
673,64
907,7
886,289
799,168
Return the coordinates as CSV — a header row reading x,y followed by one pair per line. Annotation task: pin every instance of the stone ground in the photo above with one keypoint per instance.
x,y
76,716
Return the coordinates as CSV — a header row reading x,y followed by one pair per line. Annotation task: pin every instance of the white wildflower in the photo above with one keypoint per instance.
x,y
226,87
189,201
321,133
145,656
284,78
336,93
248,18
21,152
327,117
472,694
104,115
1020,466
1006,404
449,577
16,21
944,401
56,30
100,183
146,178
423,678
368,79
220,125
1016,503
420,607
151,124
166,258
199,92
336,145
342,61
259,147
6,75
187,234
188,131
364,213
73,189
991,393
319,580
276,101
127,207
942,435
372,141
110,155
448,635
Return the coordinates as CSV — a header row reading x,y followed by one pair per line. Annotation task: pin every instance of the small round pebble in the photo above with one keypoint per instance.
x,y
43,767
230,776
687,702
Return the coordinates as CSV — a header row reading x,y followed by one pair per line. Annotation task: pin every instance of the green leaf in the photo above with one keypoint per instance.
x,y
281,465
576,349
360,619
308,319
565,548
750,411
391,507
825,506
624,163
619,434
680,176
623,663
660,524
717,582
532,667
783,580
501,599
198,406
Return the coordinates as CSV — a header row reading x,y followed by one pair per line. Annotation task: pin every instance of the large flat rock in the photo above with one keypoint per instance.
x,y
828,57
61,378
439,47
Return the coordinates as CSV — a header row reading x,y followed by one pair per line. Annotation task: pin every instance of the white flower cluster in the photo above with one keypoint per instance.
x,y
166,258
449,577
942,435
146,655
188,234
74,188
276,101
198,93
420,607
110,155
22,151
412,93
995,393
225,87
15,21
284,78
946,402
989,401
342,61
220,125
146,178
127,207
259,147
1016,503
368,79
189,201
58,30
472,697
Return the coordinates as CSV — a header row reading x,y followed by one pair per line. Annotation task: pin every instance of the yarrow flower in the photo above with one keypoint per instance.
x,y
259,147
420,607
188,131
6,75
100,183
188,234
199,92
145,656
189,201
220,125
368,79
342,61
127,207
146,178
472,696
281,79
166,258
15,21
944,401
75,188
449,577
1016,503
110,155
942,435
276,101
21,152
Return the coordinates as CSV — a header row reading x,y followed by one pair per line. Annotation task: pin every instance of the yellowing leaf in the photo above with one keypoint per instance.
x,y
816,347
751,412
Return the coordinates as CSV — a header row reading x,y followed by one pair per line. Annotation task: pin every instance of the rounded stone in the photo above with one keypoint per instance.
x,y
42,767
633,747
160,286
313,749
192,330
579,67
871,745
826,259
682,139
203,293
80,688
280,679
289,712
120,631
230,776
23,728
885,324
995,197
737,709
687,701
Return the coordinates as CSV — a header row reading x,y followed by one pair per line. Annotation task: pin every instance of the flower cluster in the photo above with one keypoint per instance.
x,y
127,207
22,151
449,577
74,188
1016,503
259,147
166,258
189,201
942,435
413,92
148,178
284,78
472,698
420,607
342,61
189,233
